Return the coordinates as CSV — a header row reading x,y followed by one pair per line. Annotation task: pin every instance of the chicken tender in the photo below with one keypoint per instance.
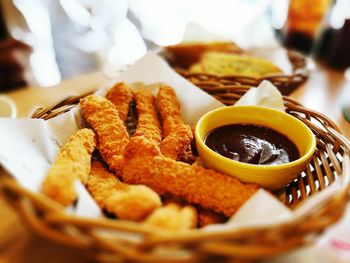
x,y
169,109
148,124
121,96
177,136
72,163
207,188
148,134
173,216
178,143
112,135
129,202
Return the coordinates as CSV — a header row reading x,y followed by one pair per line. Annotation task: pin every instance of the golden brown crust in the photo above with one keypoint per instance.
x,y
207,217
147,124
129,202
134,204
121,96
212,190
140,146
148,134
169,109
178,142
177,135
111,133
72,163
173,216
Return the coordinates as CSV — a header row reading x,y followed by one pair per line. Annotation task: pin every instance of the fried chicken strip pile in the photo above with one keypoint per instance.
x,y
129,202
112,135
207,188
173,216
148,133
177,135
72,163
121,96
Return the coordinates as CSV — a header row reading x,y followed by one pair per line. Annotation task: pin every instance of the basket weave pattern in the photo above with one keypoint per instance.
x,y
103,239
284,82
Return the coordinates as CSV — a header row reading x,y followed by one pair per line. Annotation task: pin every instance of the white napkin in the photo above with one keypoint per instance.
x,y
266,95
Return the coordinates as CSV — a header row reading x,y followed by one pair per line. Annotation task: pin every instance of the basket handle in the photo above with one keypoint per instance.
x,y
59,107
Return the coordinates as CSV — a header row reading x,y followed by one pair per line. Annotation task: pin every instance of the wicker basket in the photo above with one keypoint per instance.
x,y
284,82
105,239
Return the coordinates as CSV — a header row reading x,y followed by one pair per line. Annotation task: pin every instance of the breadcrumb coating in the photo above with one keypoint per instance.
x,y
121,96
208,217
129,202
147,124
173,216
207,188
177,135
178,142
169,109
112,135
72,163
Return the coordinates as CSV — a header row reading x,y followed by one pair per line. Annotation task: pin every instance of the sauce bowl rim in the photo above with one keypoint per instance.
x,y
306,156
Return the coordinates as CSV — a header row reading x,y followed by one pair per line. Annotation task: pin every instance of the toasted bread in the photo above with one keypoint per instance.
x,y
232,64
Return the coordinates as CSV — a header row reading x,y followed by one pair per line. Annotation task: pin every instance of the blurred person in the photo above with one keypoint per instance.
x,y
11,62
71,37
52,36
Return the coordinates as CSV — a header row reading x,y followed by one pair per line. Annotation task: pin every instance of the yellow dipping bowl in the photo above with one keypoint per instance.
x,y
268,176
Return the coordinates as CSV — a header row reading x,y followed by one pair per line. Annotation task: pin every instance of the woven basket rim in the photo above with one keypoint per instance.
x,y
302,73
61,104
286,82
160,235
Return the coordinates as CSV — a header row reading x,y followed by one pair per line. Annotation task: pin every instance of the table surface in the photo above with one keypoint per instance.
x,y
325,91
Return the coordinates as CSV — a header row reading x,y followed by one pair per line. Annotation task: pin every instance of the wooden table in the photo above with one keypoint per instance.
x,y
324,92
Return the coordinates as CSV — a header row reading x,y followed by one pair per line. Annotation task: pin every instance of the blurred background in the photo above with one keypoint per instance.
x,y
45,41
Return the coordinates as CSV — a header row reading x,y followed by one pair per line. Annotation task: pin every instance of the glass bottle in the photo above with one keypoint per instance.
x,y
333,41
304,18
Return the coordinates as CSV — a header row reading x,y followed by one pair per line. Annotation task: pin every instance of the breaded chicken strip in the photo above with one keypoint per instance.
x,y
178,142
169,109
112,135
148,134
72,163
147,124
173,216
207,188
121,96
129,202
177,135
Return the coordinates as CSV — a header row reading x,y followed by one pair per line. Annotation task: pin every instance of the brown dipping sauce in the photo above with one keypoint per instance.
x,y
252,144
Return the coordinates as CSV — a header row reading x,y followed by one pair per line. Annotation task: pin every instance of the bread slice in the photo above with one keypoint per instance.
x,y
186,54
218,63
